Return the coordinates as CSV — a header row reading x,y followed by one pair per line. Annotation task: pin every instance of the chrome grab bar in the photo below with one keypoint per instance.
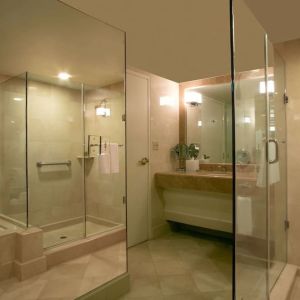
x,y
55,163
276,151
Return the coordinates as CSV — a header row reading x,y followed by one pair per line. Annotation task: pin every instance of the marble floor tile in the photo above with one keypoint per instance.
x,y
177,284
147,286
295,293
179,262
212,281
170,267
70,279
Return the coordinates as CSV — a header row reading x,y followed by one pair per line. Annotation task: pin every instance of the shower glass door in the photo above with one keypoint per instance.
x,y
277,202
260,149
251,133
13,191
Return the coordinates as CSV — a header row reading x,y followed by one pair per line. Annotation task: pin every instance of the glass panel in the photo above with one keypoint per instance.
x,y
251,165
62,50
277,169
13,201
55,136
105,152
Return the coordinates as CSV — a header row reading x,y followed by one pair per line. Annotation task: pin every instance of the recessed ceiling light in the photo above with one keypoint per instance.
x,y
18,99
64,76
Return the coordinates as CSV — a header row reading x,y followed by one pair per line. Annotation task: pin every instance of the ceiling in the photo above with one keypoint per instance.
x,y
183,40
47,37
280,18
175,39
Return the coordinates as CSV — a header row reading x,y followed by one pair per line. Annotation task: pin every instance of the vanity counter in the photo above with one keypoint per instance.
x,y
203,180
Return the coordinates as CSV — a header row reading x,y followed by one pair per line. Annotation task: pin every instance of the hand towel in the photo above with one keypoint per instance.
x,y
114,157
244,216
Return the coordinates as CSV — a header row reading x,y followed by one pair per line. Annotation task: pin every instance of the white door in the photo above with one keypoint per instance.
x,y
137,116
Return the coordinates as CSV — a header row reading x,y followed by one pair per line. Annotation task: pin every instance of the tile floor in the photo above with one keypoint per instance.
x,y
180,265
71,279
295,293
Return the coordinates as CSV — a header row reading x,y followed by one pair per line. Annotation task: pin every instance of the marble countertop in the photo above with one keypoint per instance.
x,y
203,180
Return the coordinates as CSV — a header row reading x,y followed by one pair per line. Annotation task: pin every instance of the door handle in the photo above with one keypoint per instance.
x,y
143,161
273,161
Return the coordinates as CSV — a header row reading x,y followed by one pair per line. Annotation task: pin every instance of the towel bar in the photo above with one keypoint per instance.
x,y
55,163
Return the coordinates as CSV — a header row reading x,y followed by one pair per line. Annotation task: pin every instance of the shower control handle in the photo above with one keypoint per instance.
x,y
143,161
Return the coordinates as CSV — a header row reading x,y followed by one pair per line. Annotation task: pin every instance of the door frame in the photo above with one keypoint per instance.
x,y
144,75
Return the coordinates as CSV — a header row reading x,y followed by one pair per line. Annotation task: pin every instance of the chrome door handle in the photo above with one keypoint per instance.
x,y
276,151
143,161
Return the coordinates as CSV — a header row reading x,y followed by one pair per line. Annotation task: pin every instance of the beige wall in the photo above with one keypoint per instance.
x,y
104,192
164,130
291,54
55,133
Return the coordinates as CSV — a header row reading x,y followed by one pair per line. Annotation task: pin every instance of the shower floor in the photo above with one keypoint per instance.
x,y
73,232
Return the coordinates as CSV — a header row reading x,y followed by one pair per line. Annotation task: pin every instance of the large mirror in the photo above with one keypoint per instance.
x,y
206,121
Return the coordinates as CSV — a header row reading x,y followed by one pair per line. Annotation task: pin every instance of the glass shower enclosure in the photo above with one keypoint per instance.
x,y
260,158
63,152
56,143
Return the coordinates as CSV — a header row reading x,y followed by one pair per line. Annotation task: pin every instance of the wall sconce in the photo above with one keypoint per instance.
x,y
166,101
262,87
247,120
192,98
199,123
102,109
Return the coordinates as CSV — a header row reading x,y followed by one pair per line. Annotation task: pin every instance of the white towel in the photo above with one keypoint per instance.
x,y
262,168
104,163
114,157
244,216
109,158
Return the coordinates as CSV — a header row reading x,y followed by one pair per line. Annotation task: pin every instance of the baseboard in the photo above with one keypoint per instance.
x,y
110,291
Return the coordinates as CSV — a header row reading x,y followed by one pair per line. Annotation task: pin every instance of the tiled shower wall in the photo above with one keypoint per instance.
x,y
12,149
104,192
55,133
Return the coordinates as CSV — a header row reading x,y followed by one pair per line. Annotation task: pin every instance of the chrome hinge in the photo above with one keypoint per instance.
x,y
124,200
285,98
286,224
